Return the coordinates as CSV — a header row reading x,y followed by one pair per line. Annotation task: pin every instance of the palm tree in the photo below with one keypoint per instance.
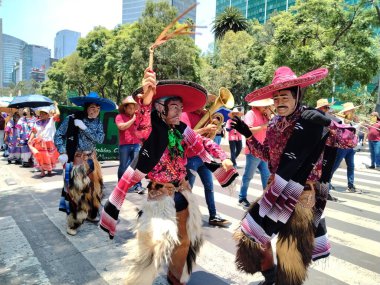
x,y
231,19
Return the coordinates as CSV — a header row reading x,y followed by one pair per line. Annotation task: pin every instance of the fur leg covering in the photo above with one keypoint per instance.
x,y
248,254
156,237
194,233
80,196
295,246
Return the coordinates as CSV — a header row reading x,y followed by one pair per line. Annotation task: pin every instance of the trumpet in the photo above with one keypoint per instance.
x,y
364,124
226,99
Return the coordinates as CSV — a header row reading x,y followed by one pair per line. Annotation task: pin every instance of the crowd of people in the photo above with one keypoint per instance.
x,y
296,149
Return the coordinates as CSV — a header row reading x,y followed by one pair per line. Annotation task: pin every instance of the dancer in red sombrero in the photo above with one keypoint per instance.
x,y
298,140
168,229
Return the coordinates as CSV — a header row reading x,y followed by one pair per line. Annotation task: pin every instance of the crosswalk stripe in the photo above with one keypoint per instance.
x,y
222,263
256,184
348,272
370,174
349,240
373,182
231,201
352,219
17,257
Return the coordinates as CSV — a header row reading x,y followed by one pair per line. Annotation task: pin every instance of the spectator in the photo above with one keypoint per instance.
x,y
41,141
234,137
374,140
257,120
11,139
127,122
348,154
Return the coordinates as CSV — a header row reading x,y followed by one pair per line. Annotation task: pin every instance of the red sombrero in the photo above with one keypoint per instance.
x,y
193,95
285,78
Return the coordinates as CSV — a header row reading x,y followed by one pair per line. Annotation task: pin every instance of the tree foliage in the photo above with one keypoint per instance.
x,y
112,62
231,19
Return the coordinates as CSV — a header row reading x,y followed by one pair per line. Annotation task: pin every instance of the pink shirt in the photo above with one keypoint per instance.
x,y
255,118
373,132
233,135
191,119
141,127
127,136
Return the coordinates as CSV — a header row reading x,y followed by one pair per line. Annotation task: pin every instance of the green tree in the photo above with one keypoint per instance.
x,y
230,65
177,58
326,33
231,19
92,48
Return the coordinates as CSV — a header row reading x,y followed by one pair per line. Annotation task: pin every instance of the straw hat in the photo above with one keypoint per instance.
x,y
323,102
285,78
262,103
347,107
45,109
235,113
126,101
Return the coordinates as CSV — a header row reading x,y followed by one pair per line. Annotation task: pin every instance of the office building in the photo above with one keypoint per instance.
x,y
65,43
34,60
12,52
1,51
255,9
133,9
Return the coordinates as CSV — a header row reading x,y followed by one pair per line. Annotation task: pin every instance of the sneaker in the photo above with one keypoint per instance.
x,y
140,190
351,189
371,167
218,221
244,203
332,198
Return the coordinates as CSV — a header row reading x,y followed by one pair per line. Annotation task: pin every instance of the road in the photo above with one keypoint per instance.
x,y
35,249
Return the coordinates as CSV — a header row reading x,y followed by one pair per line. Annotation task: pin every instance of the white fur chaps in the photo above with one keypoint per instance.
x,y
157,237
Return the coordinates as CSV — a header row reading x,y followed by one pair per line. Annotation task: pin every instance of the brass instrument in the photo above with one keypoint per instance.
x,y
362,123
226,99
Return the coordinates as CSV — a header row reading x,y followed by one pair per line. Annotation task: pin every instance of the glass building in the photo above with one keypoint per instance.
x,y
12,52
65,43
34,57
133,9
255,9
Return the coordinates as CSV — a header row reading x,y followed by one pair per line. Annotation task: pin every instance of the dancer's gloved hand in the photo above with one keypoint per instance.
x,y
316,117
63,158
241,127
80,124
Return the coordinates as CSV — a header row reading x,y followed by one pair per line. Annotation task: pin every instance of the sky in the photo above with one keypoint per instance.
x,y
37,21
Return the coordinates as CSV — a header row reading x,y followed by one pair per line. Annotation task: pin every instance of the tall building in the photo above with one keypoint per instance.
x,y
133,9
1,51
255,9
65,43
34,60
12,52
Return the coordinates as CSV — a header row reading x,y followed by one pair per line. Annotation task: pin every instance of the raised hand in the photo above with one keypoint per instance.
x,y
241,127
149,86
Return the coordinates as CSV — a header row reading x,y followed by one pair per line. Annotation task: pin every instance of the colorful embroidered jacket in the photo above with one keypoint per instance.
x,y
279,131
166,170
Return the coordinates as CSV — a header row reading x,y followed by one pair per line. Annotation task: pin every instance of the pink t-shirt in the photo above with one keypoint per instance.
x,y
127,136
373,132
191,120
254,118
233,135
